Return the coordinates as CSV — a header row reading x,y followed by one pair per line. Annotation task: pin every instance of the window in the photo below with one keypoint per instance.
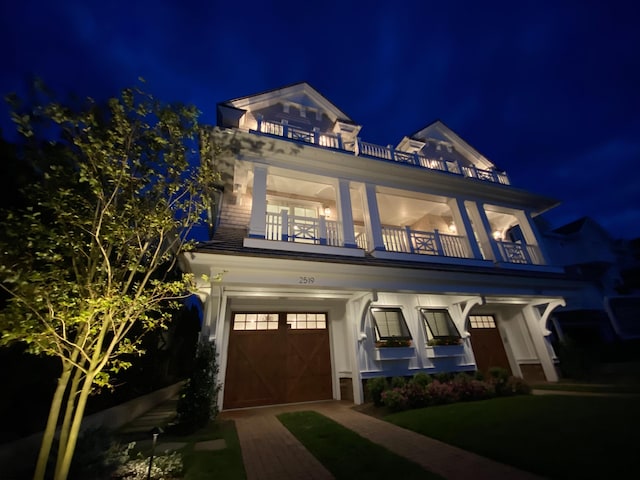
x,y
389,324
482,321
440,327
255,321
306,321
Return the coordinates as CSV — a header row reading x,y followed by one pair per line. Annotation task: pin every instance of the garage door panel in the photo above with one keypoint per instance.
x,y
266,367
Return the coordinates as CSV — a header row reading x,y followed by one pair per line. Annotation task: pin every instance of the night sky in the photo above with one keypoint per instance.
x,y
548,91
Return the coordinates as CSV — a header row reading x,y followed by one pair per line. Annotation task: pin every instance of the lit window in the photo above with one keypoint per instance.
x,y
255,321
482,321
389,324
440,327
306,321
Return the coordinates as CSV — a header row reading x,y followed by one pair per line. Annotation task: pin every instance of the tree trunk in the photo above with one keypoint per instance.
x,y
68,416
63,466
52,422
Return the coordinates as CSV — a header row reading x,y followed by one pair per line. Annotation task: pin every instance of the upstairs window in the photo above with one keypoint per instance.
x,y
440,327
390,326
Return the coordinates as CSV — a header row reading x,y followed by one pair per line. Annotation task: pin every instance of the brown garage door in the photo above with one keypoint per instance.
x,y
277,358
487,343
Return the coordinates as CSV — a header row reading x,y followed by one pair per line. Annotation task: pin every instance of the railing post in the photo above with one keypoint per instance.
x,y
259,119
340,144
525,253
322,230
316,136
357,147
407,231
392,152
284,218
285,129
416,158
438,241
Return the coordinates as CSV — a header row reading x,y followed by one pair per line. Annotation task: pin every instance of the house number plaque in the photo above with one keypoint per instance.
x,y
306,280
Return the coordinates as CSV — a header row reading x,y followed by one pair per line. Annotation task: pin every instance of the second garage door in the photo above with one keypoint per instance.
x,y
277,358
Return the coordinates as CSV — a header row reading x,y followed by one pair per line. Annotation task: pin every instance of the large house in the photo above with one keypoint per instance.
x,y
333,260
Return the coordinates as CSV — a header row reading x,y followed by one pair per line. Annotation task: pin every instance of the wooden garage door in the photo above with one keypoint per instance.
x,y
277,358
487,343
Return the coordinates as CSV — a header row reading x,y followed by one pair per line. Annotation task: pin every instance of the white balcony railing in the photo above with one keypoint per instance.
x,y
290,228
403,239
512,252
360,148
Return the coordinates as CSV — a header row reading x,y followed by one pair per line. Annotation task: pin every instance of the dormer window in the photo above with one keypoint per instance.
x,y
303,112
285,107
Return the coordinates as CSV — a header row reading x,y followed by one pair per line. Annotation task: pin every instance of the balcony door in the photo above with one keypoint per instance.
x,y
302,221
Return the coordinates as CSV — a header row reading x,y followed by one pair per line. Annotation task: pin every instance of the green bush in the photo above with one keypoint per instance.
x,y
198,402
398,382
422,379
375,387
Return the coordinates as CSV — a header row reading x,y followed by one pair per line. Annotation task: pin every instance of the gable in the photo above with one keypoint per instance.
x,y
437,137
299,100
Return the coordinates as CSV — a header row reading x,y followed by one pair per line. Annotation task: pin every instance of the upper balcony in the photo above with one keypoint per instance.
x,y
357,147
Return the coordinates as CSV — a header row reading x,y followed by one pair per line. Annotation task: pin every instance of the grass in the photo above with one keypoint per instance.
x,y
200,465
590,388
552,435
346,454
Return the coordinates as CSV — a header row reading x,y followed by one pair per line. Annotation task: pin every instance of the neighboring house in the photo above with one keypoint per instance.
x,y
610,310
334,260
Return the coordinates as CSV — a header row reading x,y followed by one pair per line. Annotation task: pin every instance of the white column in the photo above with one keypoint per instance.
x,y
345,214
540,343
479,217
257,224
463,226
374,228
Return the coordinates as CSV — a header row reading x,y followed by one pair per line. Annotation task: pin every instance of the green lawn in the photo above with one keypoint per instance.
x,y
200,465
553,435
346,454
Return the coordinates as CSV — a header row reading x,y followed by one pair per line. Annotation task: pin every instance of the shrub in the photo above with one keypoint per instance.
x,y
421,379
441,393
398,382
395,399
166,467
198,402
375,387
517,386
416,395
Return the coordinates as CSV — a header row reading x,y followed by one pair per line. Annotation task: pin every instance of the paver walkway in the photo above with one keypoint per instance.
x,y
270,452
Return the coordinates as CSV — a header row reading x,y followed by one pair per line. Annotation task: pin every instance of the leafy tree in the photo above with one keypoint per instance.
x,y
93,251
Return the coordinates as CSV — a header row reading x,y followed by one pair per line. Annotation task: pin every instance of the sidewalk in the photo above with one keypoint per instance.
x,y
270,452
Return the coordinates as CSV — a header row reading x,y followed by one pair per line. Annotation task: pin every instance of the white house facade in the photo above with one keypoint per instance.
x,y
333,260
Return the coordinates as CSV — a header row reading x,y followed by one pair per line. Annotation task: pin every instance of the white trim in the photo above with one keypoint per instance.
x,y
301,247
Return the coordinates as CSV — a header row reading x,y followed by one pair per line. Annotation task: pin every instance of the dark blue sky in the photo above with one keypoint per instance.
x,y
549,91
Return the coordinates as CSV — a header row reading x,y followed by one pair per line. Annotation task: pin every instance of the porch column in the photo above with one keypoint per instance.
x,y
532,234
257,224
346,214
374,228
463,224
532,317
479,218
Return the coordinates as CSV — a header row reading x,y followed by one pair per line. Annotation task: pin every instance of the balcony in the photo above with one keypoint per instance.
x,y
516,252
406,240
291,228
360,148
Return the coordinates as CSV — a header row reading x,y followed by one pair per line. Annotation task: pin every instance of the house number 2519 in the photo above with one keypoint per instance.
x,y
306,280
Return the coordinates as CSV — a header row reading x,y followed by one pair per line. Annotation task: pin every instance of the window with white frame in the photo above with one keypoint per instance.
x,y
390,326
440,327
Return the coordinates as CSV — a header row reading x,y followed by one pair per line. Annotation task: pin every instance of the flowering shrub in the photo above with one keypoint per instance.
x,y
395,399
423,390
451,340
164,467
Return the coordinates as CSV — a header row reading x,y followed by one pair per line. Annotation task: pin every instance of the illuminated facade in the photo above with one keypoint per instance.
x,y
334,260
